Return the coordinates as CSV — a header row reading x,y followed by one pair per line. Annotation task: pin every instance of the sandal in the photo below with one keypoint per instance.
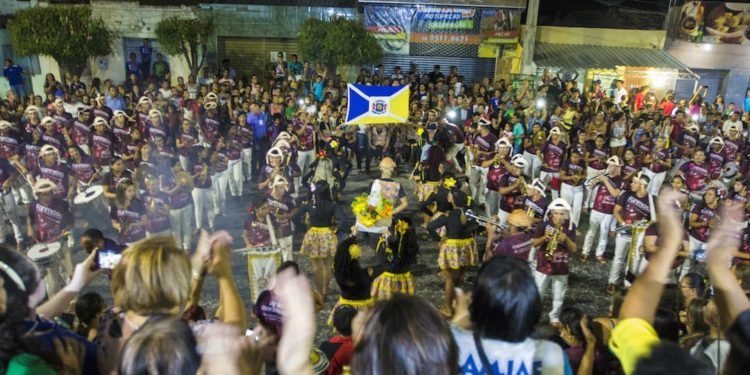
x,y
601,260
584,258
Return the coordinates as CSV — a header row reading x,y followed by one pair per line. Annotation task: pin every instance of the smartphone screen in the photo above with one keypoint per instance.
x,y
108,259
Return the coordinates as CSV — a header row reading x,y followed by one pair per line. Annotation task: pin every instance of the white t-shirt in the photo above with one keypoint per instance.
x,y
619,93
527,357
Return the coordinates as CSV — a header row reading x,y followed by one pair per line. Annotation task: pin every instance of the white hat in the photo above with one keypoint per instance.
x,y
559,204
32,108
642,178
538,185
614,160
58,101
274,151
100,121
717,140
44,185
555,130
284,136
520,162
483,122
5,125
155,112
47,119
144,100
280,143
279,180
693,127
736,127
210,105
48,149
503,142
211,96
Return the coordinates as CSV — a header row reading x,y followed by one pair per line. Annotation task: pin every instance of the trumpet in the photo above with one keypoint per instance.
x,y
484,219
522,189
589,180
552,245
530,212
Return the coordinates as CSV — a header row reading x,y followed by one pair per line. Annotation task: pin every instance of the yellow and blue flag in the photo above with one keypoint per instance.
x,y
377,104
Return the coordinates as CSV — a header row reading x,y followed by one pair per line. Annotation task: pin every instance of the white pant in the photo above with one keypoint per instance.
x,y
589,194
600,222
468,161
559,287
8,211
502,216
182,225
304,159
452,152
167,232
534,165
203,200
689,262
220,182
286,248
574,196
657,179
622,247
235,177
247,162
491,202
546,178
184,162
478,183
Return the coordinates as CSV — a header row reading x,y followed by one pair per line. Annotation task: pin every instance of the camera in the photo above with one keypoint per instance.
x,y
108,259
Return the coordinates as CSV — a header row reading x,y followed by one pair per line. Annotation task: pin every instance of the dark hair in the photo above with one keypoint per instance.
x,y
342,319
405,336
94,234
695,314
696,281
505,302
344,267
88,306
738,335
163,345
570,317
12,338
668,358
289,264
667,325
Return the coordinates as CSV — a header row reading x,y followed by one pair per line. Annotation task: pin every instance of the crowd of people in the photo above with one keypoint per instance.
x,y
505,176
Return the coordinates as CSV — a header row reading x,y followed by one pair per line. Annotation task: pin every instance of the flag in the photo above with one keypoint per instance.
x,y
377,104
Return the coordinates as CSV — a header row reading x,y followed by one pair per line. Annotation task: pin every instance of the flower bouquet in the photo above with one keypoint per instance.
x,y
373,215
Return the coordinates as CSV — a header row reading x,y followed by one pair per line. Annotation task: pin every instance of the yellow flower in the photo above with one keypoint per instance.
x,y
449,182
355,251
401,226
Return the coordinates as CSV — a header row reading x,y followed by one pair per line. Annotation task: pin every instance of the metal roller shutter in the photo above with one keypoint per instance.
x,y
249,56
473,69
713,78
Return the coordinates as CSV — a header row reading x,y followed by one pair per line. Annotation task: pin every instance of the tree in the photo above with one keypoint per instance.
x,y
187,37
339,41
68,34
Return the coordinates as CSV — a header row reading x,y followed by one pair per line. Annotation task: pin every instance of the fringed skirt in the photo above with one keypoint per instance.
x,y
319,242
456,254
357,304
424,189
388,283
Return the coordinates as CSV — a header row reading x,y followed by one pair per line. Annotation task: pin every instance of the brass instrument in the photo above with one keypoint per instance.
x,y
538,139
523,189
552,244
530,212
484,219
593,178
185,180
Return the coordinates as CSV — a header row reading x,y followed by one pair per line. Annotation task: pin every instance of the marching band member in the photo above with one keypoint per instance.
x,y
233,142
276,165
141,114
282,209
687,141
32,118
656,164
63,120
102,146
179,187
555,239
28,164
185,140
8,174
552,154
518,241
354,281
259,235
734,147
573,174
608,187
716,158
202,188
512,188
631,166
128,214
496,168
703,217
156,125
535,203
81,130
531,148
596,161
246,134
83,167
399,251
51,168
219,165
50,220
319,243
307,138
209,122
100,109
121,131
111,180
696,174
632,207
483,149
156,202
50,135
458,250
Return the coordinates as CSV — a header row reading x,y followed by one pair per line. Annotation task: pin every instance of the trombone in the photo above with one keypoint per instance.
x,y
593,178
483,219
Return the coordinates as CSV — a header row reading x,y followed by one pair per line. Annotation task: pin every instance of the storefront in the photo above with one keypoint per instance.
x,y
468,33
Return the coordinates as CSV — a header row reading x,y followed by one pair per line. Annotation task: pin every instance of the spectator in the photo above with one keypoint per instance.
x,y
14,74
160,68
338,349
146,52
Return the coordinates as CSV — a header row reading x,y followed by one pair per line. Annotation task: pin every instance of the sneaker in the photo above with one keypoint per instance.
x,y
601,260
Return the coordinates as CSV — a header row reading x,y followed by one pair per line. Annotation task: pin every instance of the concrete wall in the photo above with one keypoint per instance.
x,y
732,57
601,37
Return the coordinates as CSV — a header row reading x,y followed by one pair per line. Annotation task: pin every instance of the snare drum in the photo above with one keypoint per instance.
x,y
45,254
91,203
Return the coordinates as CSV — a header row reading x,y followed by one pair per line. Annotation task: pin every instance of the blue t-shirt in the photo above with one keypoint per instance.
x,y
747,104
13,74
259,124
46,331
318,91
146,53
518,131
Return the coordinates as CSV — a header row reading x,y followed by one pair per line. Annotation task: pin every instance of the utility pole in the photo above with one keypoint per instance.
x,y
529,38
